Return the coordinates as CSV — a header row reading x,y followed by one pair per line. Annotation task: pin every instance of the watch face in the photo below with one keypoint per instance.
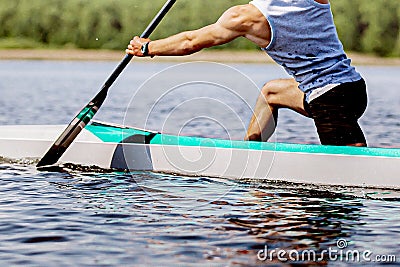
x,y
145,49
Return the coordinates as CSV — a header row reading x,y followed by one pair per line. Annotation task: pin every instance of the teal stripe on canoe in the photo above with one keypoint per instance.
x,y
113,134
281,147
116,135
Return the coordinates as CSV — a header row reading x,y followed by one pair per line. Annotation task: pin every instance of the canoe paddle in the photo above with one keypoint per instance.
x,y
87,113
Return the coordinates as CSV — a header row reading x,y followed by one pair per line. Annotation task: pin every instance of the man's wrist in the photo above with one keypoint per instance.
x,y
145,49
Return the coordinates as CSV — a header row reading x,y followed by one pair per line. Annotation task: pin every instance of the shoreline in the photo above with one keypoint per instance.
x,y
207,55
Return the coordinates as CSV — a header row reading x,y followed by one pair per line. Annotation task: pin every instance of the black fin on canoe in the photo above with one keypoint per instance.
x,y
133,157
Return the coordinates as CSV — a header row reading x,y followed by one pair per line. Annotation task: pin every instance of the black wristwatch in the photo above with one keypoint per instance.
x,y
145,49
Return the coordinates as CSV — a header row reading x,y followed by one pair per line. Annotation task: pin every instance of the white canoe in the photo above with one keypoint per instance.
x,y
117,147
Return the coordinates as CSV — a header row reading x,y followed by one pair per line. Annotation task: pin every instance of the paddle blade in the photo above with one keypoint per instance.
x,y
69,135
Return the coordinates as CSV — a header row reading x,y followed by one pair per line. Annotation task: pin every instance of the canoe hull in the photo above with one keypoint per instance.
x,y
116,147
284,166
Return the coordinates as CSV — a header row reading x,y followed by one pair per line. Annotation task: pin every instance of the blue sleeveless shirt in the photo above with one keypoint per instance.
x,y
305,43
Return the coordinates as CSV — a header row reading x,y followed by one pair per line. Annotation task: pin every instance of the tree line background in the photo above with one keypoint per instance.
x,y
363,26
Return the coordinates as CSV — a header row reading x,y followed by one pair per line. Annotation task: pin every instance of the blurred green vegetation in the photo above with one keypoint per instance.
x,y
363,26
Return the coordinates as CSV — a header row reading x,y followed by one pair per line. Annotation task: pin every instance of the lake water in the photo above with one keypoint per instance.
x,y
88,218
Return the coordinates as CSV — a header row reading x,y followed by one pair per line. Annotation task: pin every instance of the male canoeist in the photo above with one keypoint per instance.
x,y
300,35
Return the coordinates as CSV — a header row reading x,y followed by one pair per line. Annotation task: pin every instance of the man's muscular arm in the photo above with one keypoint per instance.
x,y
239,21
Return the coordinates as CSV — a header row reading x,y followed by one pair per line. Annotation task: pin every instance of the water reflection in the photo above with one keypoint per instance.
x,y
300,221
250,217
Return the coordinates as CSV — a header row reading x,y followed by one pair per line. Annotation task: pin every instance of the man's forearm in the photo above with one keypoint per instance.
x,y
181,44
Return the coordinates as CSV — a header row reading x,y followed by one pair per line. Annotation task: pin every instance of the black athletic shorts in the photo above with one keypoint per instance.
x,y
336,114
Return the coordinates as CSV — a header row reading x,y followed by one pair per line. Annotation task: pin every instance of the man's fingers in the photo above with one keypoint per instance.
x,y
135,45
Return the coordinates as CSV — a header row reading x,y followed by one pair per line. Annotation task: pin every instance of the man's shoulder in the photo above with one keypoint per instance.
x,y
244,13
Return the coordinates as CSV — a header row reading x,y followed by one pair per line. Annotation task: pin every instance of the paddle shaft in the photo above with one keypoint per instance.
x,y
87,113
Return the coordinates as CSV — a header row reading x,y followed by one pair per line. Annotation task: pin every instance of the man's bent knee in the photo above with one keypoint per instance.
x,y
275,91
